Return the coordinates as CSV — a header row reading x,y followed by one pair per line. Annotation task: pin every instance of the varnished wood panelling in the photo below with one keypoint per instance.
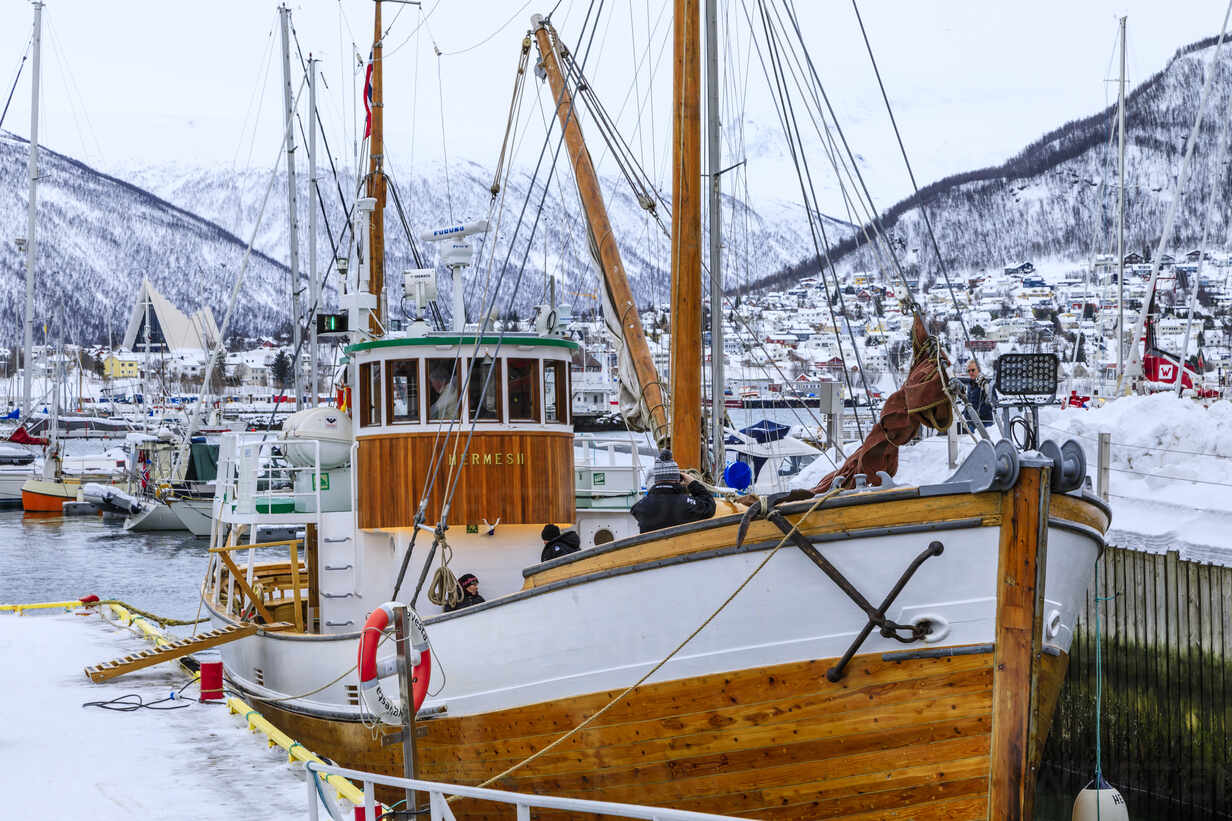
x,y
1021,564
778,743
517,477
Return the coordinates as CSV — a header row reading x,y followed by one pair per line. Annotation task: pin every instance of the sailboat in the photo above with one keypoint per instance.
x,y
865,650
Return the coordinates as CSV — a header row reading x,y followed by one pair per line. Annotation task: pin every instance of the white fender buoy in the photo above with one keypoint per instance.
x,y
1099,803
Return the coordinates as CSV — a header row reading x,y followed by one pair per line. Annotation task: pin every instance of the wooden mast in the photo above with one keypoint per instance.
x,y
376,186
602,235
686,324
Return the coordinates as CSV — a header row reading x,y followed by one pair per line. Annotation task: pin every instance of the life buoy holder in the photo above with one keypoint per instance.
x,y
372,669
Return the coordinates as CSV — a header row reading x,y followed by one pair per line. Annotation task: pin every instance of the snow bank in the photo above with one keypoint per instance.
x,y
1170,480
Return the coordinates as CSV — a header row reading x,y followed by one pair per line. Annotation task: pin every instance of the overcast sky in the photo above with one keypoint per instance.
x,y
128,83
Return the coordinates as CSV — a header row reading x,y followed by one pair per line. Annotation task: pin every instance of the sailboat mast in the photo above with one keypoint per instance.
x,y
602,236
31,226
717,408
1121,215
288,97
314,281
376,185
686,236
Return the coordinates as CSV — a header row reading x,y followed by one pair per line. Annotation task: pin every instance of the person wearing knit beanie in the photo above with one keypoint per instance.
x,y
668,502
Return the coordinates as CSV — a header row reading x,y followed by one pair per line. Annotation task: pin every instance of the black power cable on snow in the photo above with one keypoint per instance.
x,y
125,704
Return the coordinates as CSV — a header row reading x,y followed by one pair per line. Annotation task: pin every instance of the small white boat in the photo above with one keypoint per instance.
x,y
193,513
16,468
155,514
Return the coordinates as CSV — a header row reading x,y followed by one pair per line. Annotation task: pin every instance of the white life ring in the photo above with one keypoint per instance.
x,y
372,669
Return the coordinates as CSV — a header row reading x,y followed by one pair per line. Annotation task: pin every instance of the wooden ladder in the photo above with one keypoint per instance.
x,y
178,649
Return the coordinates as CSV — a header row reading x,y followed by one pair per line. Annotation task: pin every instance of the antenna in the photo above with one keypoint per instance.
x,y
456,254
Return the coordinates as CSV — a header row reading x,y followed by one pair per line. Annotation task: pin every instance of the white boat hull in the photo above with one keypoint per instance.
x,y
603,633
194,514
154,515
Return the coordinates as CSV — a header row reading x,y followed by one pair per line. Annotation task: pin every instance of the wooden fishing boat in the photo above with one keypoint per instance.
x,y
864,650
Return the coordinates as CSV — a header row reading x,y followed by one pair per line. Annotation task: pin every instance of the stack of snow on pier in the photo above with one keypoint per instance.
x,y
1170,470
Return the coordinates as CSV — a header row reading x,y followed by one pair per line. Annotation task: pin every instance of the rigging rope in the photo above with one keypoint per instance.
x,y
625,693
16,80
932,237
791,132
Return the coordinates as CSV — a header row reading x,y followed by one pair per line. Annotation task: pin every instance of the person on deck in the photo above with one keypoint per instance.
x,y
977,397
443,396
470,593
669,502
557,544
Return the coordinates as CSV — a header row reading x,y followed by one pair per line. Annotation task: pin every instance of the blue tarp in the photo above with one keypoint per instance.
x,y
15,413
766,431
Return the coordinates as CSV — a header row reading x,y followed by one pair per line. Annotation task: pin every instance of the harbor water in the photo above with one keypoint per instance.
x,y
54,558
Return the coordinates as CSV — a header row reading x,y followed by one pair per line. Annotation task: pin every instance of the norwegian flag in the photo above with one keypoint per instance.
x,y
145,471
368,100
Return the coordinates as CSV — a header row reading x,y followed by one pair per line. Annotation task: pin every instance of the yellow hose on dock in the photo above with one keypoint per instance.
x,y
295,750
47,605
255,721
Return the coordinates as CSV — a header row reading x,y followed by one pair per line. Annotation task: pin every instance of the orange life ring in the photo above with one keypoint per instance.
x,y
372,669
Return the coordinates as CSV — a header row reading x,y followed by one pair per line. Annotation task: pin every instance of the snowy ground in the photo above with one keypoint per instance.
x,y
61,760
1170,469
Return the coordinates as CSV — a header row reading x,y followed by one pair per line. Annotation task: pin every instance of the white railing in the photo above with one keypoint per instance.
x,y
601,469
257,481
522,803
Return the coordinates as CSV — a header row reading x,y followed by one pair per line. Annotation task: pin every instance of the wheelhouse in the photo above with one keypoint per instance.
x,y
416,402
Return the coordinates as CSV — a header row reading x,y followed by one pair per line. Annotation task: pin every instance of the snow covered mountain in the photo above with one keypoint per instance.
x,y
759,238
1056,199
186,228
97,237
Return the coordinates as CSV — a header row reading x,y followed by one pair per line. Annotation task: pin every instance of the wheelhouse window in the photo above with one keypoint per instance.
x,y
369,394
443,381
403,381
484,404
524,390
556,392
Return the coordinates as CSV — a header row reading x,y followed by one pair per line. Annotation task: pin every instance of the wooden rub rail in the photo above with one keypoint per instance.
x,y
177,649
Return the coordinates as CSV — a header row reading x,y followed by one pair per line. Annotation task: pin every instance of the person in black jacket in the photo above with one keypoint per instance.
x,y
557,544
669,502
470,592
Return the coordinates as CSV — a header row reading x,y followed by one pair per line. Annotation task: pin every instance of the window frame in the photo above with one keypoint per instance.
x,y
370,405
561,378
535,389
417,413
457,365
496,384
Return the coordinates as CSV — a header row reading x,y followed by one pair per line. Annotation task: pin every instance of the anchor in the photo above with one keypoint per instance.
x,y
904,633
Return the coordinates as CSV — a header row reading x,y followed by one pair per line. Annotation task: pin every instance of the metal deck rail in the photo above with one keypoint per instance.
x,y
522,803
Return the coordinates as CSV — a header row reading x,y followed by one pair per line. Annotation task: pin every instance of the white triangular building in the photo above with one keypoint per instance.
x,y
169,329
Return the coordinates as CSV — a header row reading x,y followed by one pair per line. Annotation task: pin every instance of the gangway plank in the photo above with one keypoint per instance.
x,y
178,649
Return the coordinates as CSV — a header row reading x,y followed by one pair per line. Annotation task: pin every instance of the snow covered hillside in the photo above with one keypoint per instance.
x,y
1045,203
97,237
758,238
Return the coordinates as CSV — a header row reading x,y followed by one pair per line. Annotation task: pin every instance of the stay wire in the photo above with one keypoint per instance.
x,y
522,268
811,196
932,237
878,226
776,84
16,79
